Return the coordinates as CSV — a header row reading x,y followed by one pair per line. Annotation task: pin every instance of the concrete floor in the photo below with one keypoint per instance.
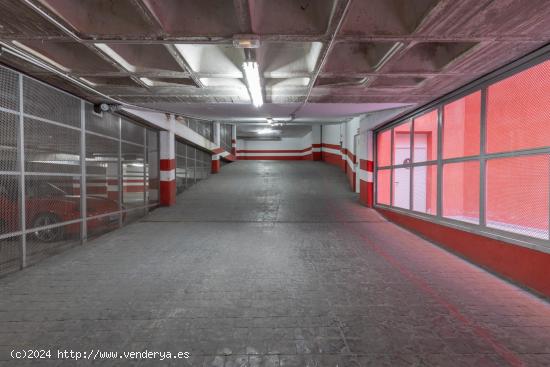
x,y
271,264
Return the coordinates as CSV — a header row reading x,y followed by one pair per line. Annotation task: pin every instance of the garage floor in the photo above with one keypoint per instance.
x,y
271,264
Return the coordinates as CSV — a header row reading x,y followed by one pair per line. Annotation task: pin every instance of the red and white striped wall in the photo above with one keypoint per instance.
x,y
337,149
219,153
316,143
275,154
167,168
349,160
316,150
295,148
331,154
366,170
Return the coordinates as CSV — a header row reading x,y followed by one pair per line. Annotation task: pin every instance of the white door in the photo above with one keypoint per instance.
x,y
401,177
420,173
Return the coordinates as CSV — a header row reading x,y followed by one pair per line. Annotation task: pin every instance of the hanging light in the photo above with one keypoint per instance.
x,y
252,76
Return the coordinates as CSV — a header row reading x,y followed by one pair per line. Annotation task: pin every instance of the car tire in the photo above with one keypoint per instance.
x,y
47,235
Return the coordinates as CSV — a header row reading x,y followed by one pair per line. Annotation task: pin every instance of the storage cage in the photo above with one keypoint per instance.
x,y
66,173
192,165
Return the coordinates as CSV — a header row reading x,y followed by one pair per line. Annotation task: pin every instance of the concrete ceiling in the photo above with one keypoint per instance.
x,y
323,59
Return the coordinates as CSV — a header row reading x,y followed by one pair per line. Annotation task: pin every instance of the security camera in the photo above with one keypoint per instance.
x,y
101,107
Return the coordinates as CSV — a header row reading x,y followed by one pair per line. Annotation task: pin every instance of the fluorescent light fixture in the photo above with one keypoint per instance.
x,y
246,41
40,56
265,131
252,76
113,55
147,81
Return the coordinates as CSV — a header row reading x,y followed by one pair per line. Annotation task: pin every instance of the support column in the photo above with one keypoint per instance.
x,y
366,169
316,142
216,157
167,168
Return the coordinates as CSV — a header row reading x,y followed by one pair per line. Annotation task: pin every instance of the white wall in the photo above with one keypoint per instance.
x,y
331,134
296,144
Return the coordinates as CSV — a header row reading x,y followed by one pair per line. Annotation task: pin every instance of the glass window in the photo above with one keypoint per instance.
x,y
517,194
516,180
402,144
401,187
383,148
425,137
425,189
461,191
517,111
461,127
383,186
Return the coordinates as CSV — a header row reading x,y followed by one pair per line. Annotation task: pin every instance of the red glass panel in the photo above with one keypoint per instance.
x,y
383,186
461,191
518,111
425,137
461,127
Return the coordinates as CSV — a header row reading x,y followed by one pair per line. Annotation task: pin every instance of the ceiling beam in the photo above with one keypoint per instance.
x,y
339,12
242,9
183,64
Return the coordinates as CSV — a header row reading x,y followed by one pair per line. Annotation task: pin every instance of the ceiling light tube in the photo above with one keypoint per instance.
x,y
265,131
252,76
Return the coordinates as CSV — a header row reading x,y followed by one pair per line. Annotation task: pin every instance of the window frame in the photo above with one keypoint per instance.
x,y
481,85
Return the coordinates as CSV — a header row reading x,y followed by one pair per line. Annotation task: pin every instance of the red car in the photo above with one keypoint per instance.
x,y
46,203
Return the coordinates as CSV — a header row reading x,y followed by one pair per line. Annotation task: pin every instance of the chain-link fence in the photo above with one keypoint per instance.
x,y
192,165
66,173
225,137
201,127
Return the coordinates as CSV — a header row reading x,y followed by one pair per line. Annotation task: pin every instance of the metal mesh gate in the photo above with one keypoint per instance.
x,y
192,165
66,173
225,137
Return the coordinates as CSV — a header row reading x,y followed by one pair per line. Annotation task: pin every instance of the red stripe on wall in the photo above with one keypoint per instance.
x,y
218,150
167,164
331,158
519,264
275,151
366,165
366,193
216,166
167,193
331,146
349,154
316,145
350,175
276,158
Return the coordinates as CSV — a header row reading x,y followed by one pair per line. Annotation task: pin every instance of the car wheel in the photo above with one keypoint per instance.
x,y
48,234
